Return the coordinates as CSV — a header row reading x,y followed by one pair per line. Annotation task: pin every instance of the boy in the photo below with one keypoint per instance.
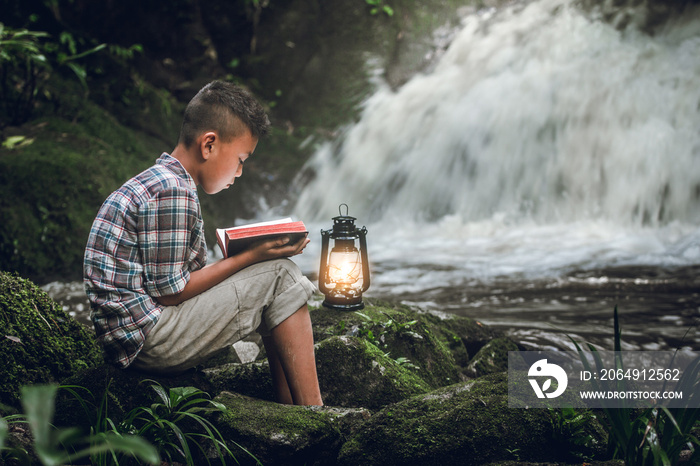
x,y
155,305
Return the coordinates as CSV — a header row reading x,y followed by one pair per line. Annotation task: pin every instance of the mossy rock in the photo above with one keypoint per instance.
x,y
402,333
285,435
354,373
251,379
492,358
467,424
39,343
461,334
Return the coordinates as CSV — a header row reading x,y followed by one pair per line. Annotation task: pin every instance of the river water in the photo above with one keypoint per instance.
x,y
545,170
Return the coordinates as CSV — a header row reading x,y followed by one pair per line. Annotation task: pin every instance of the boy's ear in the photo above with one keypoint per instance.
x,y
206,143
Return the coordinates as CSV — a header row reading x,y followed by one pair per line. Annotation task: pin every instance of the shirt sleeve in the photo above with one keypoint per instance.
x,y
168,230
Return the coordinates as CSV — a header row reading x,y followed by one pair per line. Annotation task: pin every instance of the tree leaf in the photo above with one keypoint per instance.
x,y
15,339
111,442
4,430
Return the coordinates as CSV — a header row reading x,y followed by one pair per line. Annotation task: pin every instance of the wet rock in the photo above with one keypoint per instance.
x,y
467,423
454,329
646,15
285,435
492,358
383,360
354,373
252,379
405,335
241,352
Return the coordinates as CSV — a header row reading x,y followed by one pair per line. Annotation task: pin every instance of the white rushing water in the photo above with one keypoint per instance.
x,y
542,142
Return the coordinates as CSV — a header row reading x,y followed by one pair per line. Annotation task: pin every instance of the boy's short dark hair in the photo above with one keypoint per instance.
x,y
225,108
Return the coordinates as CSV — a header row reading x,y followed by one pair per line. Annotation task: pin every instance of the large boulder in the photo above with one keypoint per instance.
x,y
404,335
251,379
352,372
467,424
285,435
39,343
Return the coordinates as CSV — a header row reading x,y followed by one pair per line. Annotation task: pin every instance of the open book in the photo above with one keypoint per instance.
x,y
237,239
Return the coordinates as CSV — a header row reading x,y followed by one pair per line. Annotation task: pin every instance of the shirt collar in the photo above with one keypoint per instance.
x,y
174,165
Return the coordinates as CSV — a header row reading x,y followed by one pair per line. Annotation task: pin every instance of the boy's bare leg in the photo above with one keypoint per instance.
x,y
292,342
279,379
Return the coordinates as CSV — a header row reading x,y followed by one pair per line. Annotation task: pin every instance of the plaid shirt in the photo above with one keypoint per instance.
x,y
146,239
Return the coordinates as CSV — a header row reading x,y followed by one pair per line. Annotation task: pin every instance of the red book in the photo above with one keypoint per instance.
x,y
237,239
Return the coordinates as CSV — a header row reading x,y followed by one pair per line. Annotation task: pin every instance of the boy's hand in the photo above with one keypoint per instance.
x,y
276,248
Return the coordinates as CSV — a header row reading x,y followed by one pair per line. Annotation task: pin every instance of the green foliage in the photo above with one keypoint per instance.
x,y
386,328
405,362
4,429
167,429
379,6
389,326
29,58
572,428
654,436
15,142
177,423
22,60
66,53
54,447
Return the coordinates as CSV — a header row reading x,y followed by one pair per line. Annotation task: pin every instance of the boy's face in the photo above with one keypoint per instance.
x,y
224,161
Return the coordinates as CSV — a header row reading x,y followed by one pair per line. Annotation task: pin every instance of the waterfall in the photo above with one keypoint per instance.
x,y
535,113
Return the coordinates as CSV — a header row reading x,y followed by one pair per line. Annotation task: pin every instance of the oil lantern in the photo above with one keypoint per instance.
x,y
344,273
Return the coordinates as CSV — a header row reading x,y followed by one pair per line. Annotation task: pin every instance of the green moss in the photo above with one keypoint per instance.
x,y
467,423
492,358
251,379
464,336
39,343
354,373
267,419
405,335
50,191
282,434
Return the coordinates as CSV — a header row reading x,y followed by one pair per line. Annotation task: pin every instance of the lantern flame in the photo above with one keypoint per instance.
x,y
345,268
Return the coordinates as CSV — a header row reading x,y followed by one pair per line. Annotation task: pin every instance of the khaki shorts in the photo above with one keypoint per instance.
x,y
257,298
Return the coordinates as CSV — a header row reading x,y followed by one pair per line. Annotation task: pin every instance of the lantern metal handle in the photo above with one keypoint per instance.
x,y
365,261
323,273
